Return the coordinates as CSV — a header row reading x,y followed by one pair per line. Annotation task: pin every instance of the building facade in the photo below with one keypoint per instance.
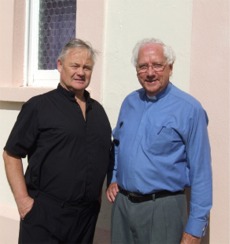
x,y
198,31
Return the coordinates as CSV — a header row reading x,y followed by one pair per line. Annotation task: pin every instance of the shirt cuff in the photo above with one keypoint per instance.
x,y
114,179
196,227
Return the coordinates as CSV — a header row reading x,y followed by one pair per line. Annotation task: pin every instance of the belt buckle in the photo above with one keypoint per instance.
x,y
132,198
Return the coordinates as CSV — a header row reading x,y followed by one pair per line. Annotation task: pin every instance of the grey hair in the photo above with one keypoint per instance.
x,y
168,51
78,43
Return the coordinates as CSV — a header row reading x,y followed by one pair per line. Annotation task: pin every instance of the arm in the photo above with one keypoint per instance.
x,y
200,174
15,176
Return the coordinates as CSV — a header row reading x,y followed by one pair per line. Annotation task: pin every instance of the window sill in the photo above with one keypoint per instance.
x,y
21,94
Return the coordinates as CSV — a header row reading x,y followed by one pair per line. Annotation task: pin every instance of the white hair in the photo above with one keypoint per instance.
x,y
168,51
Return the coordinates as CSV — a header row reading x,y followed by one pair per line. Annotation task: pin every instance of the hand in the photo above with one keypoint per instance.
x,y
189,239
16,179
112,191
24,205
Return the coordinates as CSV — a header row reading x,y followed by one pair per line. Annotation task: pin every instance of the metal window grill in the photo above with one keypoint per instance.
x,y
57,24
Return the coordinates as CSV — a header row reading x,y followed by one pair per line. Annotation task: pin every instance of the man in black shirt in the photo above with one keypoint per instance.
x,y
66,136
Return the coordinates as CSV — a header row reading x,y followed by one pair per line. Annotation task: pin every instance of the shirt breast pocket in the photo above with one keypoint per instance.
x,y
163,140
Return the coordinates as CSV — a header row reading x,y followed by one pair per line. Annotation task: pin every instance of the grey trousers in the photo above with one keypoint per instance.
x,y
159,221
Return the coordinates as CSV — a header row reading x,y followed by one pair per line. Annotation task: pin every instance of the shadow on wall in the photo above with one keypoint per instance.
x,y
102,236
10,106
102,233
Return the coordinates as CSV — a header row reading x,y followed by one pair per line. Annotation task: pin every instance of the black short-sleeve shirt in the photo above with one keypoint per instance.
x,y
68,156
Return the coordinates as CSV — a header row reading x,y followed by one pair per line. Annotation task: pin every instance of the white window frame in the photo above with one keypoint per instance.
x,y
33,76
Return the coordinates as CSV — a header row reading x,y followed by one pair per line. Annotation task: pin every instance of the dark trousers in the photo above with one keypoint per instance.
x,y
52,222
159,221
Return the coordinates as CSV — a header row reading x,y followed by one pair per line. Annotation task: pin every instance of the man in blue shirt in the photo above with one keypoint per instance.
x,y
161,147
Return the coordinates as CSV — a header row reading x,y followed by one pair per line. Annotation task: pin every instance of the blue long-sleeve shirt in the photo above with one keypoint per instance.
x,y
162,144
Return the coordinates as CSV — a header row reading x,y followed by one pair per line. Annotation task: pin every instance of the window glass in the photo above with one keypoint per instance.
x,y
57,21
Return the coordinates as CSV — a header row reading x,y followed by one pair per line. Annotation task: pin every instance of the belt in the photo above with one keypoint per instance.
x,y
137,198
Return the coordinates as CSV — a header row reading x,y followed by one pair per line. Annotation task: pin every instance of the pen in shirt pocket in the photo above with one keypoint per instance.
x,y
161,129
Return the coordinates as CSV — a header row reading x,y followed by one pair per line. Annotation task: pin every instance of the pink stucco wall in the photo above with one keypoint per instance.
x,y
210,84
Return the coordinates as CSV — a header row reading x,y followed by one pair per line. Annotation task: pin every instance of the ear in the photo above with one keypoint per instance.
x,y
171,69
136,70
59,65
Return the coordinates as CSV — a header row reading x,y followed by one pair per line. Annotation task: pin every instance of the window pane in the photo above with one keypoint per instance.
x,y
57,22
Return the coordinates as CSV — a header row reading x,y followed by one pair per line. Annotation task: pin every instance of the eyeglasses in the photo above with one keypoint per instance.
x,y
156,67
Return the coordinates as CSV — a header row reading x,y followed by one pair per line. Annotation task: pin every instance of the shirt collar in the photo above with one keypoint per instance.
x,y
70,95
161,94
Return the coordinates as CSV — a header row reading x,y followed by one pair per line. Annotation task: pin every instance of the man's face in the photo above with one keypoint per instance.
x,y
153,71
75,69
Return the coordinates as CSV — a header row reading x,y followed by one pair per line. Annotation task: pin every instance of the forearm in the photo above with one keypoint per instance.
x,y
15,177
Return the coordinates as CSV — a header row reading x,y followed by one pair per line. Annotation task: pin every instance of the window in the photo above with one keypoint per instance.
x,y
22,77
51,23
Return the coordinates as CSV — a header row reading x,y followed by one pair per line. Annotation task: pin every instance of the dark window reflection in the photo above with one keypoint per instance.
x,y
57,22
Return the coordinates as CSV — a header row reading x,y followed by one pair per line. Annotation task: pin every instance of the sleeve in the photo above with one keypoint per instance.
x,y
24,132
200,174
112,171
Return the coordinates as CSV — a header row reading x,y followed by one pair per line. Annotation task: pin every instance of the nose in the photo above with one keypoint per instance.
x,y
80,71
150,71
